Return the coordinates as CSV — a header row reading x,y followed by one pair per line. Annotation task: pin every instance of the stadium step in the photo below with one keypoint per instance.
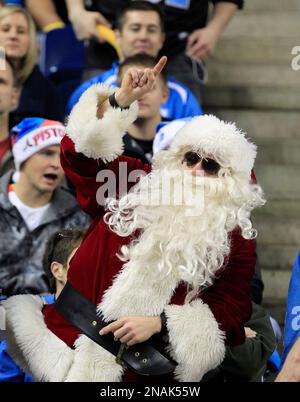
x,y
280,6
263,125
283,232
279,181
252,50
252,82
252,97
264,24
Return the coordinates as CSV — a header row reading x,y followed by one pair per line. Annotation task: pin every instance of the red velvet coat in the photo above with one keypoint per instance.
x,y
95,264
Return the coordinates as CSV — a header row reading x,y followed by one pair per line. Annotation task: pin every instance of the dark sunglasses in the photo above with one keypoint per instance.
x,y
210,166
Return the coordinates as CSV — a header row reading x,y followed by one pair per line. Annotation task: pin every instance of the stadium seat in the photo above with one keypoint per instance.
x,y
62,59
62,55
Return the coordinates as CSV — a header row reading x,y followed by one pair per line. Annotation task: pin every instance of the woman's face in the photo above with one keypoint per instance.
x,y
14,35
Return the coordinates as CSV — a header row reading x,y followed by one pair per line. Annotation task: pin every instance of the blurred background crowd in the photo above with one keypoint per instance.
x,y
236,59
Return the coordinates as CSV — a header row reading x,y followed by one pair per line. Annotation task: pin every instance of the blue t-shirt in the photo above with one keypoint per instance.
x,y
9,370
292,319
181,102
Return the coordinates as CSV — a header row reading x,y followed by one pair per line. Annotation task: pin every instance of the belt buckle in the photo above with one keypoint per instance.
x,y
119,360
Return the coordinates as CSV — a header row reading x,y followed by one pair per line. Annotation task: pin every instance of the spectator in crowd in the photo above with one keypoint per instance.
x,y
190,35
59,251
290,370
18,37
140,29
84,20
9,95
165,135
33,206
248,362
159,264
163,139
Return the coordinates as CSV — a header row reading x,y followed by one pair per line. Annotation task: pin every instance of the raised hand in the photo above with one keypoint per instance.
x,y
85,24
137,82
201,43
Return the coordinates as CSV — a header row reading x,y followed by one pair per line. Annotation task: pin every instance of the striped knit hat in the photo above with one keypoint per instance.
x,y
32,135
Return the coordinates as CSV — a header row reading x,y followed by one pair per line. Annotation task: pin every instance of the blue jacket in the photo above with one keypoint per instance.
x,y
292,320
181,102
9,370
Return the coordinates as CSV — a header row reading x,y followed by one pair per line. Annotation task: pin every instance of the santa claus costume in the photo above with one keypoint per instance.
x,y
194,264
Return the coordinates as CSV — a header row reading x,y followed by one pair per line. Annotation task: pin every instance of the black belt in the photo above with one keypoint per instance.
x,y
142,358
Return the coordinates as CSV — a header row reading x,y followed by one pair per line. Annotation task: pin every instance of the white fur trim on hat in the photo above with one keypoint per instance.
x,y
99,138
166,134
209,135
92,363
36,140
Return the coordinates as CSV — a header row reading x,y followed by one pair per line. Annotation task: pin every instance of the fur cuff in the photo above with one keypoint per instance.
x,y
99,138
196,342
92,363
31,344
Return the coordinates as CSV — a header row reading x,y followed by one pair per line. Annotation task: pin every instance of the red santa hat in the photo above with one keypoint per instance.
x,y
211,136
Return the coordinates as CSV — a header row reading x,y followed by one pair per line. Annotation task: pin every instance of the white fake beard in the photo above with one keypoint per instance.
x,y
191,239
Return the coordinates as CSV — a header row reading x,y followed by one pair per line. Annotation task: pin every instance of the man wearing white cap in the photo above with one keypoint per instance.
x,y
32,206
181,269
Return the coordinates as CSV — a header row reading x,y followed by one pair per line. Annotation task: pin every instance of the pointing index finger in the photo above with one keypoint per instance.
x,y
160,65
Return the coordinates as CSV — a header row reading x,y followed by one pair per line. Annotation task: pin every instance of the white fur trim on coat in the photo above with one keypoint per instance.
x,y
31,344
47,358
209,135
144,291
92,363
196,342
99,138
